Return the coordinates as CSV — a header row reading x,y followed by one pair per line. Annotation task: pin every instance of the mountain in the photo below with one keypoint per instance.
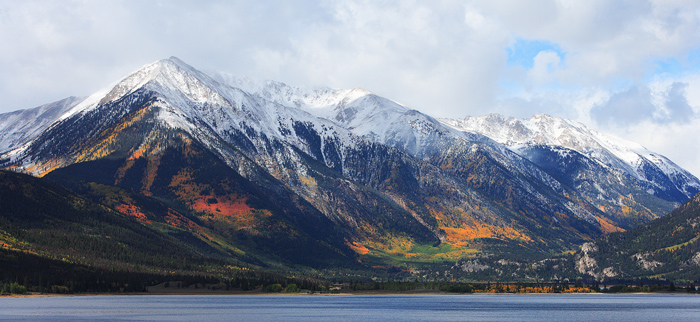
x,y
661,250
544,134
322,177
614,176
42,218
55,241
22,126
603,169
664,248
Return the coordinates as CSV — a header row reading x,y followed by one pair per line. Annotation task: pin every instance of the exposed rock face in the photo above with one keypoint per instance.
x,y
586,264
643,262
696,259
474,266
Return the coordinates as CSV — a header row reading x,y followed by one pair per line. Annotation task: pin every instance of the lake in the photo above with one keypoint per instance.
x,y
532,307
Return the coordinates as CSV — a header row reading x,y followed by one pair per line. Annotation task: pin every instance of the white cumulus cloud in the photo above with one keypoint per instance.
x,y
626,66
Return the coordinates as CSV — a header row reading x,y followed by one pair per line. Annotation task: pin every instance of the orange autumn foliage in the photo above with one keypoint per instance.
x,y
107,139
44,168
358,248
138,153
607,225
533,289
461,227
231,209
228,205
134,211
461,236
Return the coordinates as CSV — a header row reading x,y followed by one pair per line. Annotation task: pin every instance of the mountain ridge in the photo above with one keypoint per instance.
x,y
390,181
543,129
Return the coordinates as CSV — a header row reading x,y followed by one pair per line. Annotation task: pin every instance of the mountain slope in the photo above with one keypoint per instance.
x,y
43,218
527,137
612,201
23,126
619,177
203,195
316,176
666,247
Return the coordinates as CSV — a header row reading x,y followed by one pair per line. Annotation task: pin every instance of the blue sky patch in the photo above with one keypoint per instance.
x,y
673,67
523,52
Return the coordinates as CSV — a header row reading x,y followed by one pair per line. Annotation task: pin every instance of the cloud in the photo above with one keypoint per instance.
x,y
616,64
678,109
640,104
522,52
54,49
447,57
418,55
443,56
626,108
545,66
604,39
563,102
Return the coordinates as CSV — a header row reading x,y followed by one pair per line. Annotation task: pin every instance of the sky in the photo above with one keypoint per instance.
x,y
627,68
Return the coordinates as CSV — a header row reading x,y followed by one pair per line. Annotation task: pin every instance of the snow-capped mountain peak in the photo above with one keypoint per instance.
x,y
544,129
303,97
361,111
520,135
167,75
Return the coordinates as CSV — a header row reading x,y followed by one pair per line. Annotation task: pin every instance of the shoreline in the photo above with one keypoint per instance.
x,y
361,293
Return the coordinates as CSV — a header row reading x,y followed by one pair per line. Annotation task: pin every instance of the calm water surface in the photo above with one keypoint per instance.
x,y
583,307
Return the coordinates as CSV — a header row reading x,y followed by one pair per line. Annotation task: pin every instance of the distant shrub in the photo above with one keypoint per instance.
x,y
292,288
273,288
14,288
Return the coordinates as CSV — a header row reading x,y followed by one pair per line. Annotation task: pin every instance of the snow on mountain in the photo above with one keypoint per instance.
x,y
542,129
223,102
368,141
22,126
506,139
384,121
360,111
216,112
283,94
179,81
